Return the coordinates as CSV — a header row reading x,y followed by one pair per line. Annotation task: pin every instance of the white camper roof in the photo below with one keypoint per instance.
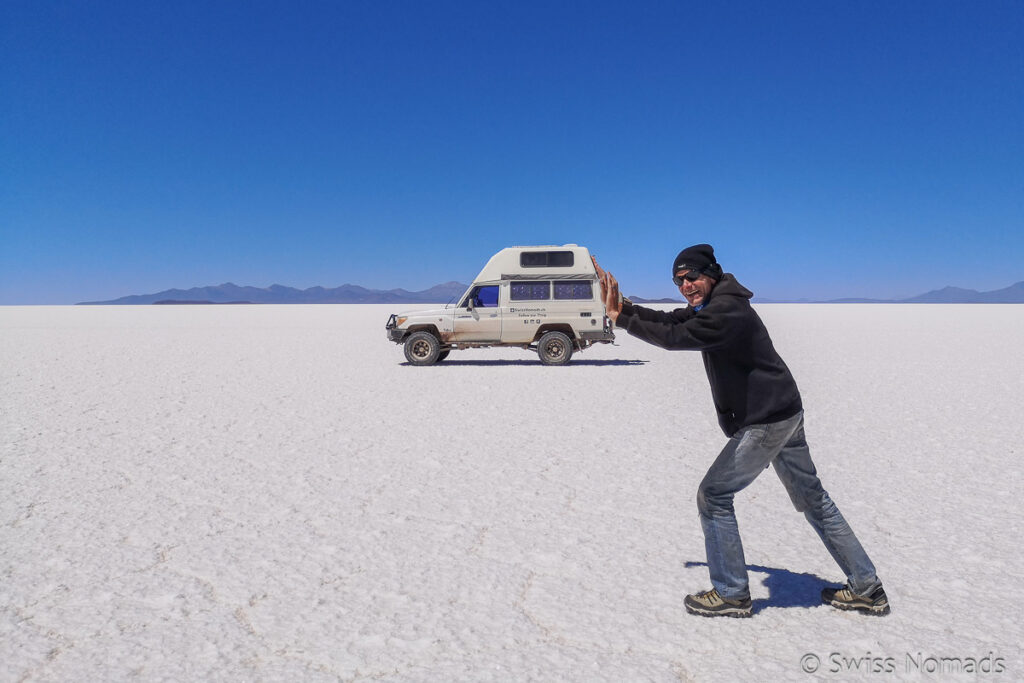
x,y
509,264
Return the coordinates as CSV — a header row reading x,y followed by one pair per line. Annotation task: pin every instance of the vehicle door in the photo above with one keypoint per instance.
x,y
574,303
478,317
528,308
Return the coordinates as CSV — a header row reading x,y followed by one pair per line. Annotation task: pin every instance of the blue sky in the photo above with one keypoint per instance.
x,y
826,149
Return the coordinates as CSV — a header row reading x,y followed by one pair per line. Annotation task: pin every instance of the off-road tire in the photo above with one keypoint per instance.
x,y
422,348
554,348
444,354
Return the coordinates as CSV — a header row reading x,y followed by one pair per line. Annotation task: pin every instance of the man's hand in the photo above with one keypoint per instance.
x,y
609,291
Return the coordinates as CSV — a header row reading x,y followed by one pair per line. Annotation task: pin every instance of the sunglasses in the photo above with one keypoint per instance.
x,y
692,275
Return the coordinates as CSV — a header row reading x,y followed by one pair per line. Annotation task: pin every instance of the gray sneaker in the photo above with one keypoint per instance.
x,y
711,604
876,604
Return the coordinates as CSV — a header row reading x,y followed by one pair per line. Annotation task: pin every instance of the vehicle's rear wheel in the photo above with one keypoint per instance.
x,y
422,348
554,348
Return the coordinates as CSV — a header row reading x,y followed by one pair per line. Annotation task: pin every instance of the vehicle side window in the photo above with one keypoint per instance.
x,y
485,296
529,291
546,259
574,290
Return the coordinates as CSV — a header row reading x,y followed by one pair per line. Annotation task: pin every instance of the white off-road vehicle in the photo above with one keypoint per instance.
x,y
545,299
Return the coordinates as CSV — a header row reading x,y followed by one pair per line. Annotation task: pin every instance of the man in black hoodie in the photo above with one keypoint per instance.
x,y
759,409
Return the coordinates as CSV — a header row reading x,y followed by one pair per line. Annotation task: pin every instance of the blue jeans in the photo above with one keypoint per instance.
x,y
746,455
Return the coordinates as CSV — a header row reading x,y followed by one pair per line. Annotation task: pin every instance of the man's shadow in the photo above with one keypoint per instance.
x,y
785,588
531,362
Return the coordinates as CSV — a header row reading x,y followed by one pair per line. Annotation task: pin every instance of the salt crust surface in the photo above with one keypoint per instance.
x,y
270,493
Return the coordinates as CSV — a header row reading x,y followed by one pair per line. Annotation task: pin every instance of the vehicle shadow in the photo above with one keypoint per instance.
x,y
453,363
785,588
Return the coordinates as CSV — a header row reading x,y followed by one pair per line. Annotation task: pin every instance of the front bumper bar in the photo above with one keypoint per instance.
x,y
394,334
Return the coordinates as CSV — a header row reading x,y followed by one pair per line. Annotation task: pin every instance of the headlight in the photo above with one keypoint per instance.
x,y
401,321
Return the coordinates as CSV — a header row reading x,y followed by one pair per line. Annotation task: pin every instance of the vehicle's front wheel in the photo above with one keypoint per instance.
x,y
554,348
422,348
444,354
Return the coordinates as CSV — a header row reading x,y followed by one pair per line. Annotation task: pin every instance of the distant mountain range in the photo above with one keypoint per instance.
x,y
354,294
1014,294
279,294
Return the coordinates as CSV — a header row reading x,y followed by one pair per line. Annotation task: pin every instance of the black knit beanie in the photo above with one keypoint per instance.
x,y
699,257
